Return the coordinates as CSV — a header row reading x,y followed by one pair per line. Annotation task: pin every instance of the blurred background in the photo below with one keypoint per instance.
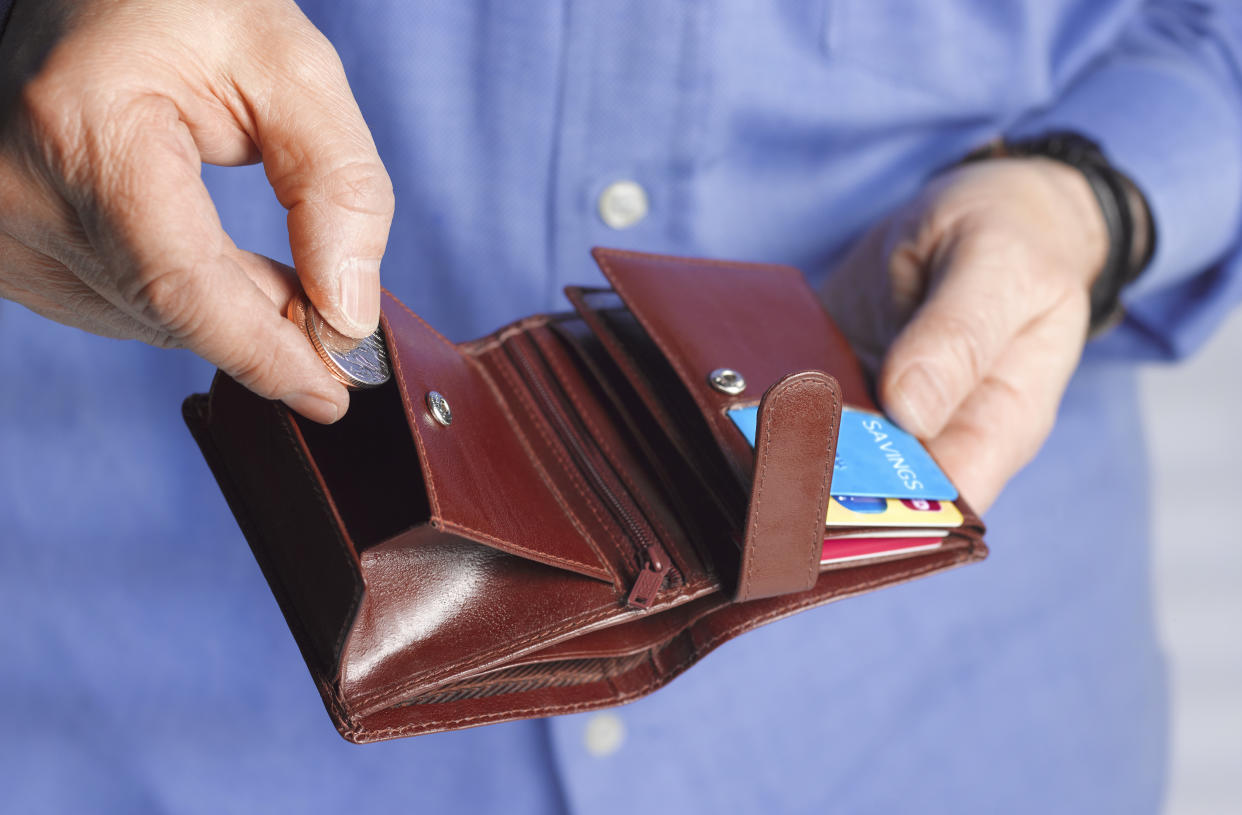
x,y
1194,420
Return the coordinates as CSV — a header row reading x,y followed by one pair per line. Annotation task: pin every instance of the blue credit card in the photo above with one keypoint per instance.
x,y
875,458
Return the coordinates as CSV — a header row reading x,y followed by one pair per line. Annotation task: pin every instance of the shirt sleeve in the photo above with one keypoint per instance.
x,y
1165,104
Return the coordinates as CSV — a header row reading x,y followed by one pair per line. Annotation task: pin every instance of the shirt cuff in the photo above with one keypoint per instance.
x,y
1175,131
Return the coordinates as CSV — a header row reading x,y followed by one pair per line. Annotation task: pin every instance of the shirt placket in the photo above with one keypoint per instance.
x,y
631,110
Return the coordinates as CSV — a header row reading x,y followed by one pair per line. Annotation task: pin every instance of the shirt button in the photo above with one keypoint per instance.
x,y
622,204
604,734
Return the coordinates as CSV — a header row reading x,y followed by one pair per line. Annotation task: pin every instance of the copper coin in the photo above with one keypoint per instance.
x,y
354,363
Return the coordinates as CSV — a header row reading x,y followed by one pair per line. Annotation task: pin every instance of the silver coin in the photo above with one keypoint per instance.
x,y
355,363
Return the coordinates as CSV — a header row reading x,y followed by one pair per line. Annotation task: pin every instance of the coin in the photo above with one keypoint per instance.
x,y
354,363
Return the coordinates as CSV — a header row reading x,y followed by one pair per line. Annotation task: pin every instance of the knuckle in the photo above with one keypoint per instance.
x,y
169,298
82,136
965,342
994,245
304,56
256,367
49,115
362,187
906,276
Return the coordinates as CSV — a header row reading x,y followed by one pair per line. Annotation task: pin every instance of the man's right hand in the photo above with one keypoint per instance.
x,y
108,108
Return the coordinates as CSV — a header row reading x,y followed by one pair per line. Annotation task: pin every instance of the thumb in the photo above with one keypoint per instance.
x,y
954,338
325,170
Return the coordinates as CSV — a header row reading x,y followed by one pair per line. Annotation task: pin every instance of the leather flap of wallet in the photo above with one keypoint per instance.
x,y
794,449
481,482
759,322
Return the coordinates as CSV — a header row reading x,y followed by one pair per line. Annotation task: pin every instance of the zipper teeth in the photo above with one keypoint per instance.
x,y
585,465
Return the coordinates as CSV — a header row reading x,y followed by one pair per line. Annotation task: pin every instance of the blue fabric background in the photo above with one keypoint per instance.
x,y
149,670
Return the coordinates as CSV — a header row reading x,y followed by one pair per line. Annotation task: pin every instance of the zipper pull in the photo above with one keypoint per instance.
x,y
650,579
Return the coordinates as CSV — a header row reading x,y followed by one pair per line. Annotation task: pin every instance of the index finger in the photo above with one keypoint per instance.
x,y
324,167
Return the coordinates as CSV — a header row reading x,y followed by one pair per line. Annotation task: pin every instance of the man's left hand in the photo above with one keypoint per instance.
x,y
971,302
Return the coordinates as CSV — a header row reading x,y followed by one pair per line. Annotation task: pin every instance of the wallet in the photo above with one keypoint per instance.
x,y
560,516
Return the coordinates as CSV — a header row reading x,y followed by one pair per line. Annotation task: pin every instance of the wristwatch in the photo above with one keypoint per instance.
x,y
1131,231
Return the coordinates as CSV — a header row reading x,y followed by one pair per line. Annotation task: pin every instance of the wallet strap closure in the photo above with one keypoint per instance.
x,y
795,446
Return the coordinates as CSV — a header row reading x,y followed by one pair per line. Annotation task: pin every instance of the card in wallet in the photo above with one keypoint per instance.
x,y
589,524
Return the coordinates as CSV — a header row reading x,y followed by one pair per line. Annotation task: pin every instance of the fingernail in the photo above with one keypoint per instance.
x,y
360,296
916,402
314,407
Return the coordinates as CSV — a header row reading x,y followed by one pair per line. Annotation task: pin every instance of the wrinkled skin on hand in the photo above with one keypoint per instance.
x,y
108,108
971,304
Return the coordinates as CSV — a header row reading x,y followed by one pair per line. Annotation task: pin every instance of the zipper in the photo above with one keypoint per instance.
x,y
653,563
650,579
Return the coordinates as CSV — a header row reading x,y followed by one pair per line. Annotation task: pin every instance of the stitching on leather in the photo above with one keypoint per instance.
x,y
699,650
423,322
593,427
659,340
411,419
453,526
685,261
411,415
583,618
761,482
243,510
630,370
697,653
336,709
752,539
620,544
603,259
822,503
539,468
520,327
624,359
583,491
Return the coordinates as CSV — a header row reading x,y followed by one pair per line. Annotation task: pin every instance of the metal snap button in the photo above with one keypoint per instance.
x,y
439,408
727,380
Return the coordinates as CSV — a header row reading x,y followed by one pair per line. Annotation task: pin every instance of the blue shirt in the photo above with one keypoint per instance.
x,y
148,669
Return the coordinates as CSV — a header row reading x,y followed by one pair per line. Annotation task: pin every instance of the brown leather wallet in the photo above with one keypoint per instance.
x,y
588,525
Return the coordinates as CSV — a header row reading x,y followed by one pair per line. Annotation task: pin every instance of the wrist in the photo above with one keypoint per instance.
x,y
1082,224
1121,205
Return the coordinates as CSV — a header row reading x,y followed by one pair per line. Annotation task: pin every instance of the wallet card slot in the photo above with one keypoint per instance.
x,y
647,376
636,539
689,492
